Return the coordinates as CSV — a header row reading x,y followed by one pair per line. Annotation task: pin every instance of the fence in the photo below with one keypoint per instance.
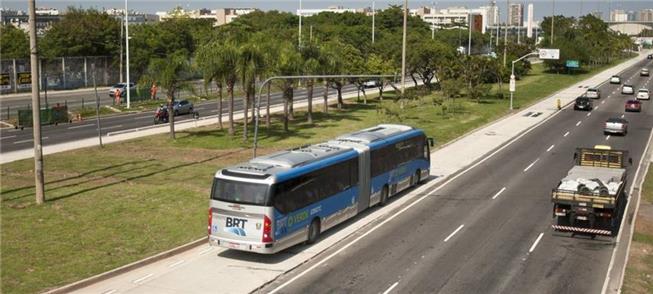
x,y
57,73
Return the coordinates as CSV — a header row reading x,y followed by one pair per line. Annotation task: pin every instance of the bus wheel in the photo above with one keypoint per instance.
x,y
313,232
414,180
384,196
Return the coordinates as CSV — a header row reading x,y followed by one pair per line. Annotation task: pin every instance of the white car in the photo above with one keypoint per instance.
x,y
628,89
615,80
643,94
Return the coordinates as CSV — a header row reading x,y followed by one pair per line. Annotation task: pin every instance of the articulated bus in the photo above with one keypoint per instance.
x,y
276,201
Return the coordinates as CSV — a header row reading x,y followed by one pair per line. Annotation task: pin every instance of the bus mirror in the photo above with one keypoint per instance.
x,y
575,155
431,142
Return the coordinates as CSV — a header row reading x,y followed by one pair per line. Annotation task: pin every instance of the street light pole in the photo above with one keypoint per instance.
x,y
373,21
299,38
127,50
553,16
403,50
36,107
469,28
512,75
505,36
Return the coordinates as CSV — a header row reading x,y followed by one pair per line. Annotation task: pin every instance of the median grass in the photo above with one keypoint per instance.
x,y
639,271
110,206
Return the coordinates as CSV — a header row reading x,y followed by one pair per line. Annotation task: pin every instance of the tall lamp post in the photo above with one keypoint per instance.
x,y
36,107
512,75
373,21
403,50
127,50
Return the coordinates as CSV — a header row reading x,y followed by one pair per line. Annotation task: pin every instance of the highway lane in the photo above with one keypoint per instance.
x,y
16,139
489,230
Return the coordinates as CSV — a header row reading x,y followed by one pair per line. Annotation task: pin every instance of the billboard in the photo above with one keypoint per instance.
x,y
5,82
24,80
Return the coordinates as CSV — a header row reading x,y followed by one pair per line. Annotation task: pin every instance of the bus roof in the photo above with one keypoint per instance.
x,y
369,135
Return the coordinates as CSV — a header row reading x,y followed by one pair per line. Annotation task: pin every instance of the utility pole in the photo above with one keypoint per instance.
x,y
299,38
97,109
505,36
121,49
127,50
403,50
469,28
36,107
373,21
553,16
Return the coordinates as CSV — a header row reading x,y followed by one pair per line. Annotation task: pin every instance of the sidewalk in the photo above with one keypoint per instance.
x,y
53,92
203,268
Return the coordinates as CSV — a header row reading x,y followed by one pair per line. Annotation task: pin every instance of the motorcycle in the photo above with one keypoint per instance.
x,y
161,115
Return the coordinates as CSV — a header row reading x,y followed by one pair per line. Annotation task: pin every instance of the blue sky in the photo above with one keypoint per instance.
x,y
541,7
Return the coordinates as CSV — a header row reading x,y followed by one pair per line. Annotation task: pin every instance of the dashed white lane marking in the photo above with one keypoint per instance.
x,y
623,115
112,127
142,117
589,113
550,147
578,123
603,102
536,241
499,193
110,291
205,251
391,287
82,126
566,134
607,137
23,141
531,165
7,137
138,281
454,232
45,138
177,263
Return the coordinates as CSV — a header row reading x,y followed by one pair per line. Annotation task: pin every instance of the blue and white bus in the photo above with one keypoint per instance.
x,y
276,201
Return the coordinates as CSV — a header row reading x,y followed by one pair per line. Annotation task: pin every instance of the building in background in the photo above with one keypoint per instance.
x,y
618,15
45,18
134,17
529,21
455,17
516,14
334,9
645,15
597,13
219,16
631,15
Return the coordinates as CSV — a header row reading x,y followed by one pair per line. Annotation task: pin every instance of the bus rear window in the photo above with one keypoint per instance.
x,y
240,192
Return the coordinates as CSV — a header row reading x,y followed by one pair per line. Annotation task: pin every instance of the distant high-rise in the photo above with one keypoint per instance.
x,y
516,14
645,15
632,15
618,15
529,21
596,13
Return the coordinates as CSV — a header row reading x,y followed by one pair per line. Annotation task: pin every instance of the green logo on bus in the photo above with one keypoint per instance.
x,y
297,218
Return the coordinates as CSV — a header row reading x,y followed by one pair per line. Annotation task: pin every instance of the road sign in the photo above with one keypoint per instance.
x,y
549,53
512,83
572,64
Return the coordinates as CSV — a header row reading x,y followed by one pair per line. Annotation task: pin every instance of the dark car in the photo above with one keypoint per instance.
x,y
650,56
583,103
633,105
182,107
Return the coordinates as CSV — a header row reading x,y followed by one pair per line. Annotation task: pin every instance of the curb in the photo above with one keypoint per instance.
x,y
125,268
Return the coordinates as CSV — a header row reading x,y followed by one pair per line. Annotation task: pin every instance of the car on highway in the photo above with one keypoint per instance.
x,y
643,94
627,89
121,86
182,107
633,105
616,125
583,103
593,93
371,84
615,79
644,72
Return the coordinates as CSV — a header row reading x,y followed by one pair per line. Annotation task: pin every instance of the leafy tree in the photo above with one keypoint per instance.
x,y
83,33
288,63
379,66
210,63
250,67
14,42
311,66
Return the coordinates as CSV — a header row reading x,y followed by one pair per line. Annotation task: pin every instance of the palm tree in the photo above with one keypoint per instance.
x,y
229,60
288,63
250,67
209,61
170,73
310,56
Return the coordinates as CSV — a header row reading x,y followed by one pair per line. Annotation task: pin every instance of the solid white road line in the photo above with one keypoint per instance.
x,y
7,137
112,127
589,113
391,287
607,137
176,263
23,141
566,134
499,193
550,147
536,241
110,291
531,165
137,281
623,115
205,251
82,126
578,123
454,232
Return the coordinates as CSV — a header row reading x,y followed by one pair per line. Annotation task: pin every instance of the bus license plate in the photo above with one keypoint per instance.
x,y
581,217
233,245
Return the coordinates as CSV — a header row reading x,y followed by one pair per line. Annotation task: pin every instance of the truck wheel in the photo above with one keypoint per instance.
x,y
313,232
384,196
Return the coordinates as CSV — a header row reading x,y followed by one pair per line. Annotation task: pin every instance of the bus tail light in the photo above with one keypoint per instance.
x,y
267,229
210,221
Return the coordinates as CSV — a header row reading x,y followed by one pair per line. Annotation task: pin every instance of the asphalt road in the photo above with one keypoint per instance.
x,y
488,231
16,139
